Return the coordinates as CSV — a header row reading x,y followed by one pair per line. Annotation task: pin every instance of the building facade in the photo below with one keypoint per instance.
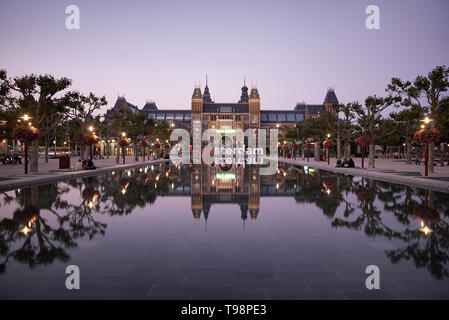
x,y
226,117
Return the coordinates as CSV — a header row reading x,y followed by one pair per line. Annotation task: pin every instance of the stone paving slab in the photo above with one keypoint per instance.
x,y
399,173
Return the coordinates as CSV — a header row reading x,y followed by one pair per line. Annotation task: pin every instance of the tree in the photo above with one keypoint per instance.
x,y
137,129
428,89
36,96
406,124
81,112
369,117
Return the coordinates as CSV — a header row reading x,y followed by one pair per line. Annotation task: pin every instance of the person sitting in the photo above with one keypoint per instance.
x,y
79,165
89,165
351,163
339,164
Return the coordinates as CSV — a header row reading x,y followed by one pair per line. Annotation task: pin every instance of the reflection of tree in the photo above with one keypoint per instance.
x,y
326,190
427,247
41,243
370,219
329,192
429,251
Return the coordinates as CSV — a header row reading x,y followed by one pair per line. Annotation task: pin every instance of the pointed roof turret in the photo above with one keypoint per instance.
x,y
197,93
254,93
331,97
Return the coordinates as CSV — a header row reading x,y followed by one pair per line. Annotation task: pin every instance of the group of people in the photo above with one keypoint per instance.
x,y
347,163
85,165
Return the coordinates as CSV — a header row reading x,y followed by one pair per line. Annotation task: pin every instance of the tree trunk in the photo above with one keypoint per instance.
x,y
46,149
82,151
136,152
408,151
303,151
34,156
371,163
317,150
117,154
431,157
338,147
347,149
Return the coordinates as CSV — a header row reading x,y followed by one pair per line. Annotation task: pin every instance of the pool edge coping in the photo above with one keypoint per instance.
x,y
61,176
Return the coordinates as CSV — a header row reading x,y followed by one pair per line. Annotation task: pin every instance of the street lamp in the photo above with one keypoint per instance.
x,y
426,121
91,128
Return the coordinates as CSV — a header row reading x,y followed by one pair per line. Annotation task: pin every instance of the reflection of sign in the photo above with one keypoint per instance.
x,y
225,176
230,131
308,170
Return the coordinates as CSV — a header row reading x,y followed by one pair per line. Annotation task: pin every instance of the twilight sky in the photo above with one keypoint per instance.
x,y
157,50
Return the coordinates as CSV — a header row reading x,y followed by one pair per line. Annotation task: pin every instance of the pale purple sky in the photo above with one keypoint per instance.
x,y
293,50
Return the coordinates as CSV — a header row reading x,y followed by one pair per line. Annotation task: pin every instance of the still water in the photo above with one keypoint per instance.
x,y
203,232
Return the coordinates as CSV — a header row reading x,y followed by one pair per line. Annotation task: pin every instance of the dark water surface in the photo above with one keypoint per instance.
x,y
203,232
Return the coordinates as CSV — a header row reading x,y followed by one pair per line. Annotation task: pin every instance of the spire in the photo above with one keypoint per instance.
x,y
244,98
206,94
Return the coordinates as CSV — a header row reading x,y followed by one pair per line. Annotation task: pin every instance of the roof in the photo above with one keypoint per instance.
x,y
121,103
254,94
310,108
331,97
226,108
150,106
197,93
316,108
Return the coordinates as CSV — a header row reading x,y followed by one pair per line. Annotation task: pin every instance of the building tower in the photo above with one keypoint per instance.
x,y
197,105
330,100
254,109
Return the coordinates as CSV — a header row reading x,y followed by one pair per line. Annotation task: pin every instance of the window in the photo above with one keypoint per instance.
x,y
226,109
291,117
282,117
238,118
170,116
188,117
161,116
263,117
272,117
179,116
299,117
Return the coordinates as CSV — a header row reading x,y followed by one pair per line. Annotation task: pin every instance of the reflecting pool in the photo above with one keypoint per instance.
x,y
204,232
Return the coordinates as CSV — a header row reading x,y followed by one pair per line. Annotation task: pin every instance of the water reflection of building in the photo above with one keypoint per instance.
x,y
225,185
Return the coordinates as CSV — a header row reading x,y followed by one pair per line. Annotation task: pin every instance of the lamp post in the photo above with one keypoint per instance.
x,y
426,121
328,151
26,133
91,130
123,147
